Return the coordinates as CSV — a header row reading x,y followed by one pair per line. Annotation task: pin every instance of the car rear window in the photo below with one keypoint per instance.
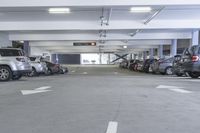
x,y
11,52
32,58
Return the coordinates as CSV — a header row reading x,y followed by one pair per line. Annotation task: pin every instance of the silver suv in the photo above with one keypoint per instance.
x,y
38,66
13,64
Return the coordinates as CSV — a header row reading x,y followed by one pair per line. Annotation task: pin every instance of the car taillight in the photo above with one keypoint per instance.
x,y
20,59
195,58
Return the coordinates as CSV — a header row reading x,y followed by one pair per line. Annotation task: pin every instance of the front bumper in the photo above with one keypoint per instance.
x,y
21,72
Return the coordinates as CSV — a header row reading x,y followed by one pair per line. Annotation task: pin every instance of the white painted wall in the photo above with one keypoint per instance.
x,y
4,40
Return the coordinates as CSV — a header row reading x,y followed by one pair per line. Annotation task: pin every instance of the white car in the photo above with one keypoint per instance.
x,y
38,66
13,64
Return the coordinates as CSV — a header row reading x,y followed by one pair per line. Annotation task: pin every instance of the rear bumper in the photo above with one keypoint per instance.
x,y
21,72
192,67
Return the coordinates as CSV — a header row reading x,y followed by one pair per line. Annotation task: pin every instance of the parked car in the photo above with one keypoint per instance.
x,y
165,66
178,66
123,64
191,61
147,63
133,65
139,66
38,66
154,67
130,62
63,69
52,68
13,64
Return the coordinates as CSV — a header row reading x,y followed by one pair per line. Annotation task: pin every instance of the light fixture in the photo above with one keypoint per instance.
x,y
59,10
124,46
140,9
21,41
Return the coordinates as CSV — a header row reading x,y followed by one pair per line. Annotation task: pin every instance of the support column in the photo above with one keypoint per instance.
x,y
109,58
173,50
151,53
160,51
135,56
195,37
144,55
26,48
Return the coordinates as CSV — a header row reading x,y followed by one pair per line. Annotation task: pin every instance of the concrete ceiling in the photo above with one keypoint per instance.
x,y
30,20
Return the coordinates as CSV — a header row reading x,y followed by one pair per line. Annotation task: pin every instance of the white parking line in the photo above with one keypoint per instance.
x,y
112,127
35,91
173,88
180,90
43,88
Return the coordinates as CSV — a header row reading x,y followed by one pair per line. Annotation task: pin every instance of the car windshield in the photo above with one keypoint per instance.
x,y
11,52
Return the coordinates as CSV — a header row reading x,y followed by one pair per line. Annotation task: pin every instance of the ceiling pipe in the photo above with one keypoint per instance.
x,y
153,16
133,34
109,16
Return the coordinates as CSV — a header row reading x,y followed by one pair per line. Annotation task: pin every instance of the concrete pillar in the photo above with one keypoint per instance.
x,y
135,56
160,51
173,50
195,37
109,58
144,55
151,53
26,48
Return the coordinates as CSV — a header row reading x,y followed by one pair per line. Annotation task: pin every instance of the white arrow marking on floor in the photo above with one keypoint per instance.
x,y
85,73
73,71
37,90
115,72
174,88
112,127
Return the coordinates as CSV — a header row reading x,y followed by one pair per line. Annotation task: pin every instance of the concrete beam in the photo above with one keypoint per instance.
x,y
69,3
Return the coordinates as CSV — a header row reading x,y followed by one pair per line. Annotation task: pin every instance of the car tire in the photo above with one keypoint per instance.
x,y
169,71
179,74
16,77
49,72
194,74
5,73
33,73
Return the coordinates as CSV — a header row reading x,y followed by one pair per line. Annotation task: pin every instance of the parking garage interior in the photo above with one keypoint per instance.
x,y
91,66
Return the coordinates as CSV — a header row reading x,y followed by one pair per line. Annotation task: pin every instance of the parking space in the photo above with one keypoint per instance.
x,y
82,103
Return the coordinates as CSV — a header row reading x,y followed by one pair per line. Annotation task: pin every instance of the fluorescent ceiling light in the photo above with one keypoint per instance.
x,y
59,10
140,9
125,46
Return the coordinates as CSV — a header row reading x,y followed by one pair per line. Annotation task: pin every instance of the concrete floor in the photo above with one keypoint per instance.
x,y
87,99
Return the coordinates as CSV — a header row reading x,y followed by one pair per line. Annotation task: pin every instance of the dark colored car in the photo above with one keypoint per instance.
x,y
139,66
133,65
191,61
130,62
123,64
178,66
52,68
147,64
154,67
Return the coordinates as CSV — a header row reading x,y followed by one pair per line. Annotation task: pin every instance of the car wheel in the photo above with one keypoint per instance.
x,y
16,77
5,73
62,71
33,73
194,74
49,72
169,71
179,74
